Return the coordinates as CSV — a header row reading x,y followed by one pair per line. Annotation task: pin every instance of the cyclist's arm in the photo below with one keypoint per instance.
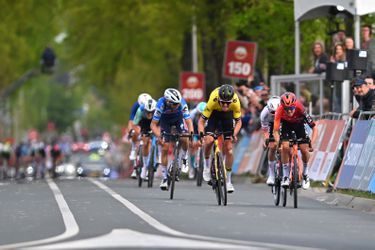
x,y
264,122
138,116
155,128
189,124
314,134
308,119
276,124
237,127
201,123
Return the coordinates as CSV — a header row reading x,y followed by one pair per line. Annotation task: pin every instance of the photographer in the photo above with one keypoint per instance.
x,y
366,97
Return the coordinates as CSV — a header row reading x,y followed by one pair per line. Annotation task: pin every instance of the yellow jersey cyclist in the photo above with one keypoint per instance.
x,y
222,113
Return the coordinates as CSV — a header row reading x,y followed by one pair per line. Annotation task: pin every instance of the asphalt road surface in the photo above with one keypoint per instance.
x,y
104,214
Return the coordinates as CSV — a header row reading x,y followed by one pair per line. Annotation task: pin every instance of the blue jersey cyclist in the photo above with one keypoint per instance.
x,y
142,120
171,110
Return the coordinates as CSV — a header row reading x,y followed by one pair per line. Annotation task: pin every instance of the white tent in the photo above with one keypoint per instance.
x,y
310,9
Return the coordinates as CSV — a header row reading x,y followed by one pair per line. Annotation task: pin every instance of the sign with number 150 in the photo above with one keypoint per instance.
x,y
239,59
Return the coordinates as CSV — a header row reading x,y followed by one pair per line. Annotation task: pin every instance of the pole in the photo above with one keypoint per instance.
x,y
194,46
297,55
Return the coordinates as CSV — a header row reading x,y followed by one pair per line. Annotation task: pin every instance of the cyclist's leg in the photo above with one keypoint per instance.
x,y
145,155
285,131
134,141
207,144
164,127
184,145
304,148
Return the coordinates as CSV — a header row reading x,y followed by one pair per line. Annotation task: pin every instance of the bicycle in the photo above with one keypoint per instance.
x,y
278,173
138,163
218,171
173,166
153,161
295,175
199,166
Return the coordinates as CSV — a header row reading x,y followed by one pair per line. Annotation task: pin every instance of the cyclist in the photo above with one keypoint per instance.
x,y
222,107
142,99
171,110
267,117
142,120
195,114
292,116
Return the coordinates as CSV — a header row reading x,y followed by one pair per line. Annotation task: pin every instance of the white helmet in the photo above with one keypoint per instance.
x,y
150,105
273,103
172,95
142,98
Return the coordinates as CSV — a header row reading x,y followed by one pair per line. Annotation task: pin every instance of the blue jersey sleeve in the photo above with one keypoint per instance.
x,y
159,109
185,109
133,111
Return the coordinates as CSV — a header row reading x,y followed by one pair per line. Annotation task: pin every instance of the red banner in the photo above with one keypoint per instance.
x,y
192,86
239,60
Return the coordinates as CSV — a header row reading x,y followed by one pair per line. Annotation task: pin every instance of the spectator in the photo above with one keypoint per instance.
x,y
320,59
366,32
370,81
349,43
338,54
366,97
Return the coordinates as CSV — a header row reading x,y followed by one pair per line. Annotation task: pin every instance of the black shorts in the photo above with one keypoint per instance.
x,y
145,125
222,122
286,129
270,132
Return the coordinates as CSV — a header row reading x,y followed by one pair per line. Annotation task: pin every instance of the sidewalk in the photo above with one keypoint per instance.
x,y
333,199
341,200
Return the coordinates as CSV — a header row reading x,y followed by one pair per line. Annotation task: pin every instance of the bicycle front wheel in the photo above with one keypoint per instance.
x,y
173,174
139,166
199,169
222,184
295,181
151,168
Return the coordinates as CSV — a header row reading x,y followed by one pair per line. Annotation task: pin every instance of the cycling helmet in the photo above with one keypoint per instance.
x,y
172,95
226,93
288,99
150,105
142,98
273,103
201,106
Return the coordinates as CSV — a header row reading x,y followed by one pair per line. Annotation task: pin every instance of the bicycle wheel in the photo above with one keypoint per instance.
x,y
151,168
295,181
222,184
277,186
173,177
214,181
139,166
284,194
200,168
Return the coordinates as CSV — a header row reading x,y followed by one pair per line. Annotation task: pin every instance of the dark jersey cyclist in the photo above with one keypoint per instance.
x,y
292,116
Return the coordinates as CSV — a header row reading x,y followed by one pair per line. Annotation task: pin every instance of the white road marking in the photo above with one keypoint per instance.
x,y
165,229
71,226
126,238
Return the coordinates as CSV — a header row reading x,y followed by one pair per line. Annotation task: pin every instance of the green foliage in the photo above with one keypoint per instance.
x,y
118,49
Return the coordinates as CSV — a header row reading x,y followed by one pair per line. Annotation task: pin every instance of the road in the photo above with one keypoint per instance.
x,y
103,214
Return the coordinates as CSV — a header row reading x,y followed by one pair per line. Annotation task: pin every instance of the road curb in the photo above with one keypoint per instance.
x,y
344,200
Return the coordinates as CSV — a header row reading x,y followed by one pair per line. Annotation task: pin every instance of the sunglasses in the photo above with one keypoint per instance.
x,y
289,108
173,104
225,102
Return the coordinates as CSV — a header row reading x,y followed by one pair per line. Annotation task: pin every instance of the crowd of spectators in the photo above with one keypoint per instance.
x,y
253,95
340,44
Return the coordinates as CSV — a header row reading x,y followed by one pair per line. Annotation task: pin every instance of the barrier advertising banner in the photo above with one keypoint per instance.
x,y
192,86
239,59
353,153
252,155
239,152
364,170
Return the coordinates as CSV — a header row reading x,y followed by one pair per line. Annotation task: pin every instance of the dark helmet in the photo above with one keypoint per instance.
x,y
226,93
